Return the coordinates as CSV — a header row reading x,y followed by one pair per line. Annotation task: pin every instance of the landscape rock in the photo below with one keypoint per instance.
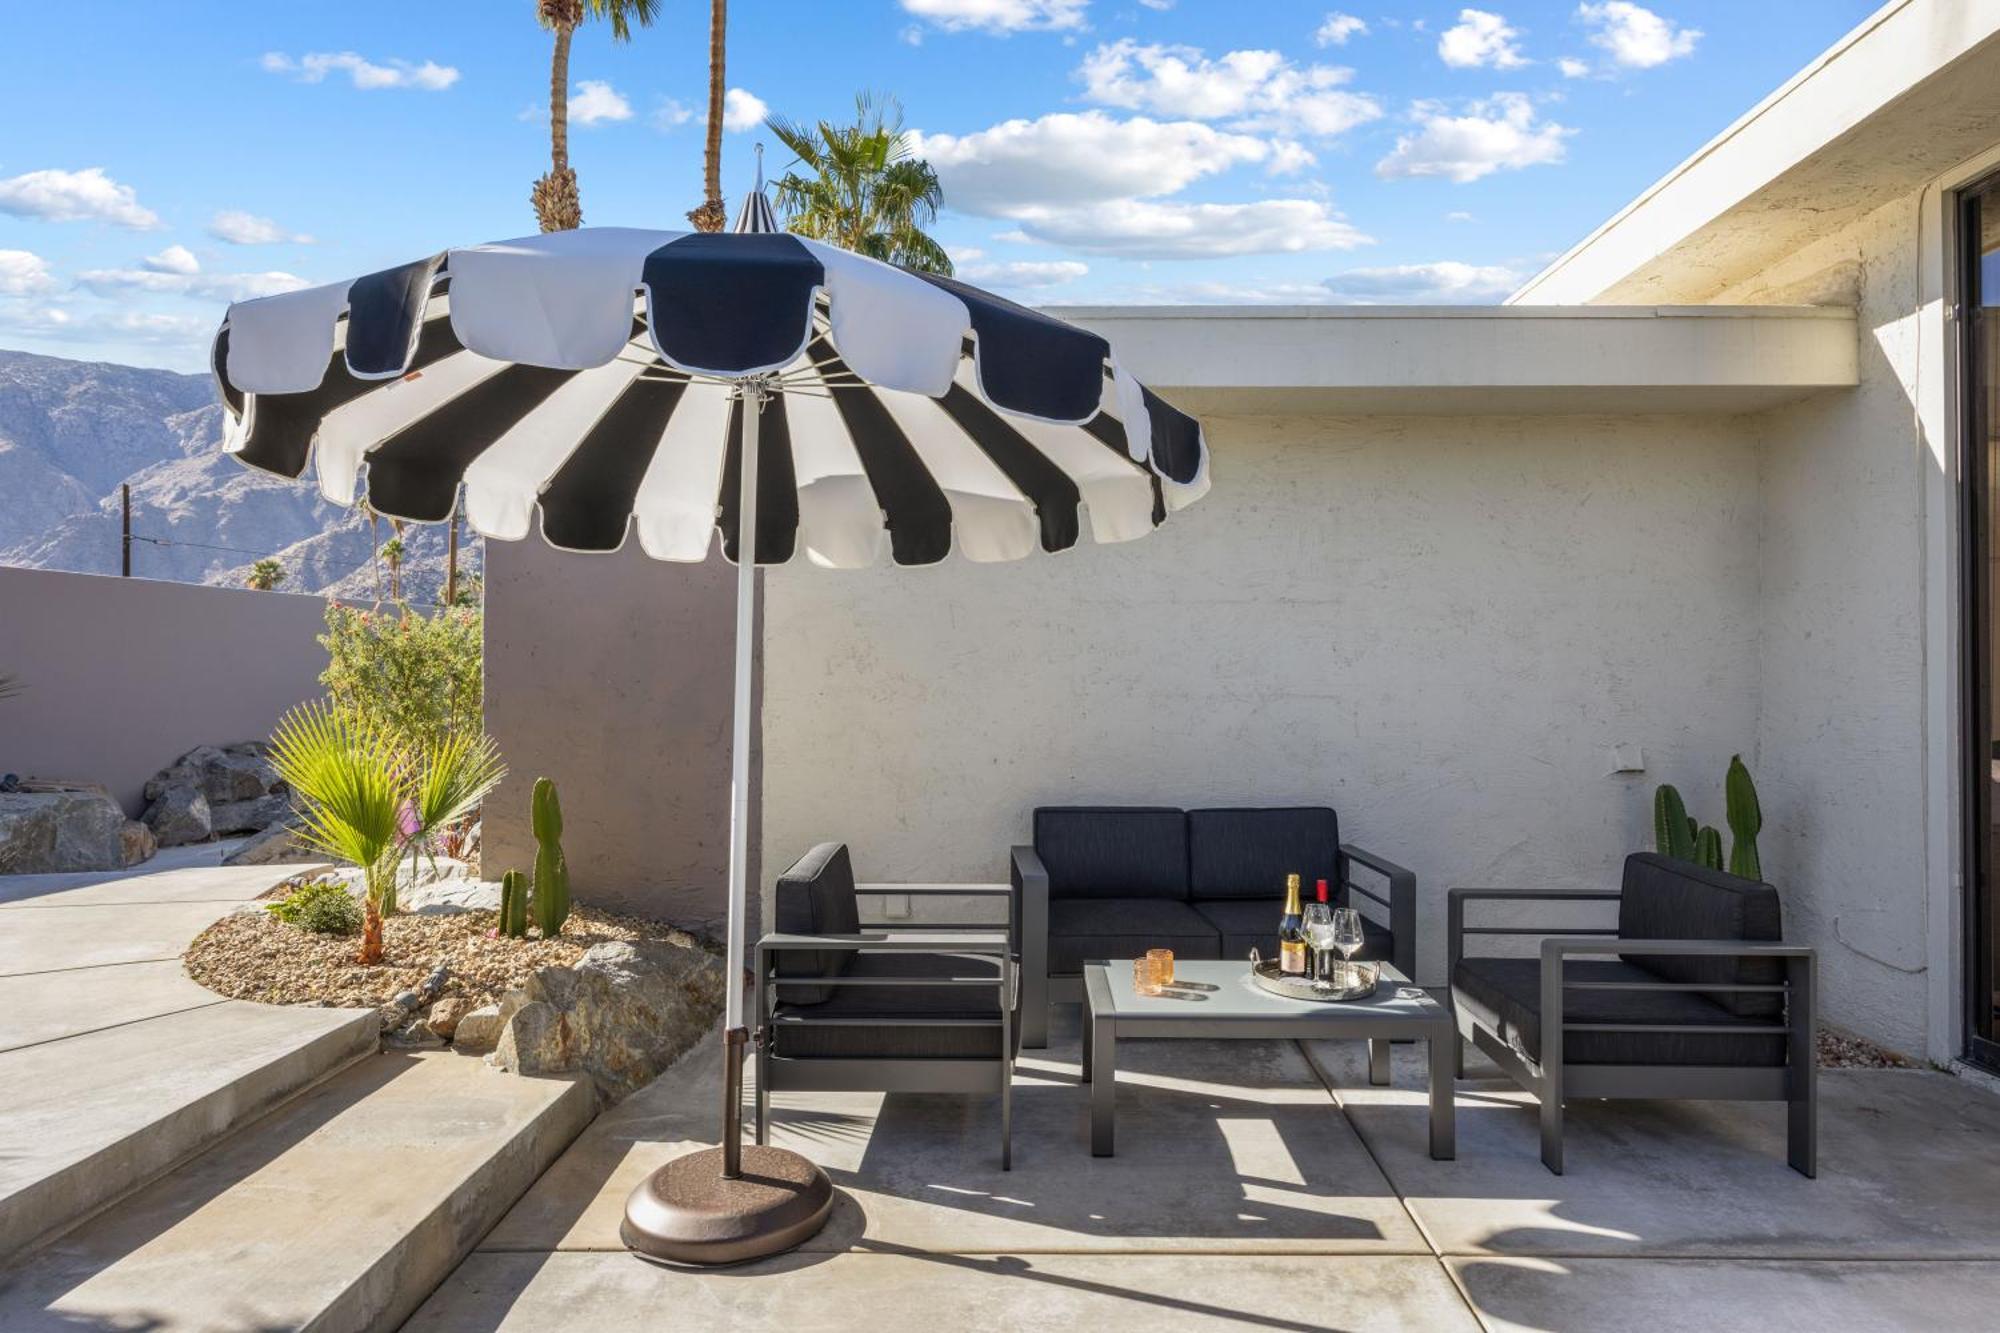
x,y
137,843
448,894
477,1030
179,815
414,1035
445,1015
277,845
249,816
622,1015
75,828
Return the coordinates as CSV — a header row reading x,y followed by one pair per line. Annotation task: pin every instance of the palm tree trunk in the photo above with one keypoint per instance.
x,y
713,215
451,558
557,205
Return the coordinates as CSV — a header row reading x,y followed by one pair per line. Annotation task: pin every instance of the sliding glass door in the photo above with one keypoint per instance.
x,y
1979,456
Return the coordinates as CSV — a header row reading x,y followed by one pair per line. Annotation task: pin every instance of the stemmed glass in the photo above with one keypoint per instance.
x,y
1318,925
1347,935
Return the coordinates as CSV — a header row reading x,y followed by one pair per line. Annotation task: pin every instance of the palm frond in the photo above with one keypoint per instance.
x,y
457,774
349,784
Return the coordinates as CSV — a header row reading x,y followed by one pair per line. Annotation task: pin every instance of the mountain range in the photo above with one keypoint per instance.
x,y
73,432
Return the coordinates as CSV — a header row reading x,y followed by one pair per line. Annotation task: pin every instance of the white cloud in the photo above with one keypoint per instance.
x,y
1338,28
24,273
1635,36
240,228
1148,229
743,110
1572,68
911,35
75,196
314,66
1498,133
1459,215
1481,38
670,114
999,16
176,259
1446,282
1249,90
1221,293
593,102
1024,272
1071,158
1161,5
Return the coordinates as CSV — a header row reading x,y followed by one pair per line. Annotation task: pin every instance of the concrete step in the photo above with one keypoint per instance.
x,y
343,1209
90,1115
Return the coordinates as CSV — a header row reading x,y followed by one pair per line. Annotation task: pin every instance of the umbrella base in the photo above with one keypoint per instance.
x,y
688,1213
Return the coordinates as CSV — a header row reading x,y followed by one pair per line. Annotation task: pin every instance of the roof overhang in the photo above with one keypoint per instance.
x,y
1479,360
1905,97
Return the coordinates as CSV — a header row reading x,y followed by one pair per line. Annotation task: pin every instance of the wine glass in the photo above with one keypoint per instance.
x,y
1318,926
1347,936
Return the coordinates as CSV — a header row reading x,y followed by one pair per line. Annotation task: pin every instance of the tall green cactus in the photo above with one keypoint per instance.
x,y
1746,818
551,870
514,905
1708,848
1673,832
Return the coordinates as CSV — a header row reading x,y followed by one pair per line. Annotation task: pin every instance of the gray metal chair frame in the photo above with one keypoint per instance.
x,y
1796,1082
911,1074
1397,897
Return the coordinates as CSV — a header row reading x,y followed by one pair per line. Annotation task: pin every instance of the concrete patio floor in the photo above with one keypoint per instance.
x,y
1266,1185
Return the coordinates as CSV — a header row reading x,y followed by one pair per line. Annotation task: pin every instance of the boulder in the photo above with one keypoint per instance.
x,y
625,1012
179,815
249,816
277,845
82,828
478,1030
444,1015
137,843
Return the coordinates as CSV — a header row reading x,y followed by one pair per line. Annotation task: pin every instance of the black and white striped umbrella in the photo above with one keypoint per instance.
x,y
595,376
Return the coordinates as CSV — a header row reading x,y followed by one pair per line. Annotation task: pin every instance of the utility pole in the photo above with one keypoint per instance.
x,y
451,559
125,504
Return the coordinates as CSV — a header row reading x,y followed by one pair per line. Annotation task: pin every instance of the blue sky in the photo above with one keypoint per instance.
x,y
164,158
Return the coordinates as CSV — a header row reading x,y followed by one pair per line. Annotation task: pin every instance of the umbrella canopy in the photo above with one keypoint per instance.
x,y
593,377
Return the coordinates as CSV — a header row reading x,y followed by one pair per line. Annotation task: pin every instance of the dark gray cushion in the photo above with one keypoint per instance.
x,y
1664,899
1107,851
885,1032
1248,853
1091,928
1245,924
1503,995
816,897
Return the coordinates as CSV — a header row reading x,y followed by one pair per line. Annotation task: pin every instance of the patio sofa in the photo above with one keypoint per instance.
x,y
846,1005
1102,882
1693,997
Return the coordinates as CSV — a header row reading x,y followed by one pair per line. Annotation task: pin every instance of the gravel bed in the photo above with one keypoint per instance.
x,y
1844,1050
251,955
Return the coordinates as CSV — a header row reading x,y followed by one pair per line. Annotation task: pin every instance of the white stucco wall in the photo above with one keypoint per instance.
x,y
1841,731
1439,625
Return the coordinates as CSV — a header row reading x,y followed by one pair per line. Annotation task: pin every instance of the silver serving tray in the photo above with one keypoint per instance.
x,y
1364,977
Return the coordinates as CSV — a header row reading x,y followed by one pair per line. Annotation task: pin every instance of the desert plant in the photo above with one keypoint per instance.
x,y
392,556
514,905
862,186
1681,836
416,679
265,575
551,870
323,906
557,204
713,214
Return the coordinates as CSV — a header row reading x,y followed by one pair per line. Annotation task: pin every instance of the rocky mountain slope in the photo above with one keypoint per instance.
x,y
71,432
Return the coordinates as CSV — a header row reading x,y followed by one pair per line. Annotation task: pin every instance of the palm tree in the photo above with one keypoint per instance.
x,y
392,556
713,215
265,575
557,205
862,188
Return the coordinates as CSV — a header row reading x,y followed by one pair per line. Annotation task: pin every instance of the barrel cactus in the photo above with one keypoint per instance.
x,y
551,870
514,905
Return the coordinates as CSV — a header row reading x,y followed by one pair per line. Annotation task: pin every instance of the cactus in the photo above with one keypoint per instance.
x,y
514,905
1674,834
1708,848
551,870
1745,818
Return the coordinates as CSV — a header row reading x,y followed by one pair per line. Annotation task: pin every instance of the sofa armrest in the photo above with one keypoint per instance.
x,y
992,942
1456,930
1030,882
1400,899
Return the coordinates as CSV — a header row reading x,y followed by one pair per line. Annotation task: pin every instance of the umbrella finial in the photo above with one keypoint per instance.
x,y
759,150
757,215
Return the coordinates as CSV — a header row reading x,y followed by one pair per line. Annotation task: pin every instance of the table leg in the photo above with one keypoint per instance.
x,y
1378,1062
1101,1044
1444,1132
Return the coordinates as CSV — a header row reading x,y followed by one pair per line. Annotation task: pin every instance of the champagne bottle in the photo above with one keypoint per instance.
x,y
1291,932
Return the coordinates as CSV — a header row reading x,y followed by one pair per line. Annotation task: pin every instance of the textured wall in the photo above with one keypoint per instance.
x,y
122,676
1439,625
1841,732
611,674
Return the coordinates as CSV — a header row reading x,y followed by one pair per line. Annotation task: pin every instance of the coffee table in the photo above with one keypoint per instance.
x,y
1211,999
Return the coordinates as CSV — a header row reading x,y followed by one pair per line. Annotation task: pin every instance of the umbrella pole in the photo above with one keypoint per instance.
x,y
711,1206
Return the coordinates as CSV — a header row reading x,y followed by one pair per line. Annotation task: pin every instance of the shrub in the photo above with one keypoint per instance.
x,y
323,906
412,679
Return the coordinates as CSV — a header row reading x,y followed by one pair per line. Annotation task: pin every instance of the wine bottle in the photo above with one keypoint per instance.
x,y
1312,954
1291,932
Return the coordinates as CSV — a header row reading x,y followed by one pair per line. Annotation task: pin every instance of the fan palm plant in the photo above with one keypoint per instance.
x,y
860,186
557,204
366,803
